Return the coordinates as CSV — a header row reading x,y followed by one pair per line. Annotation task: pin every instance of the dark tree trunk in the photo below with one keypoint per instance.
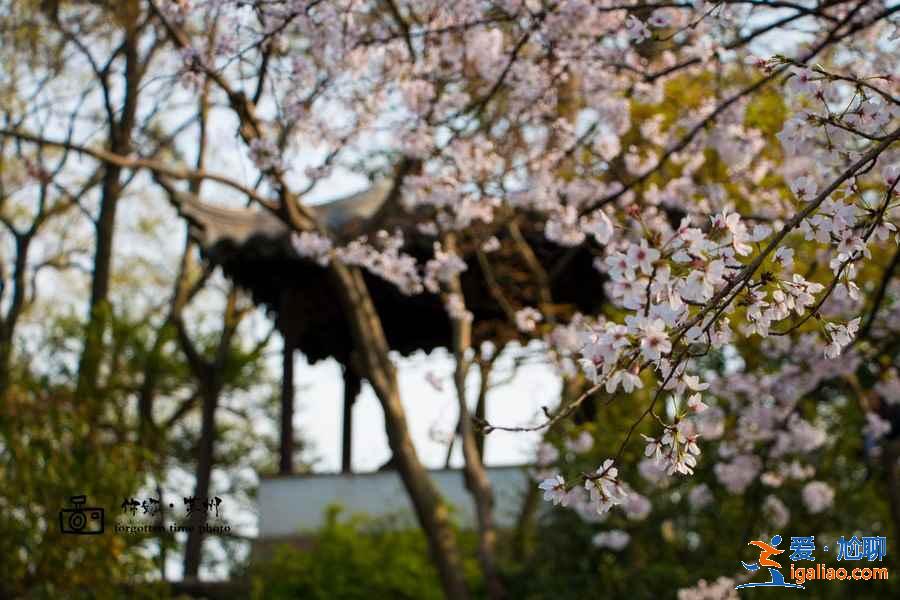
x,y
525,522
161,523
16,305
286,460
194,549
376,366
5,363
120,134
352,386
481,406
523,534
210,385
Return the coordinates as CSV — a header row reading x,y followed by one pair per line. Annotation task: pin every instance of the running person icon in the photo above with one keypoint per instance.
x,y
766,551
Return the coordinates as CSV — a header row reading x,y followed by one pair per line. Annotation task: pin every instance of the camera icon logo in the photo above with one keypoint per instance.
x,y
81,519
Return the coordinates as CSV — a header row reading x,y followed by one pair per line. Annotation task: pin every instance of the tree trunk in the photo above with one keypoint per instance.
x,y
148,389
476,479
484,385
479,485
16,305
161,523
572,388
525,523
5,364
194,548
352,385
377,368
210,385
890,454
120,134
286,463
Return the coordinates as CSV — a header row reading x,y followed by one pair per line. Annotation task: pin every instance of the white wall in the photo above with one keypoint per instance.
x,y
289,504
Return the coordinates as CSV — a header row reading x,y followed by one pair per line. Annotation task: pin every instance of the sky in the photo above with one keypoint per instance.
x,y
432,414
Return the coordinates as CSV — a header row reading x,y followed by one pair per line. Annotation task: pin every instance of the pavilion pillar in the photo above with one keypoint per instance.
x,y
286,461
352,387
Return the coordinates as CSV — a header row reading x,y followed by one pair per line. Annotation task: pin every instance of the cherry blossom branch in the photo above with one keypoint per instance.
x,y
747,272
879,297
649,410
684,141
494,287
854,257
832,76
728,293
298,214
565,411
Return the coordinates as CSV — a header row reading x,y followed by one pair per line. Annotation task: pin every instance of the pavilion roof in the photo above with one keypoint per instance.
x,y
254,250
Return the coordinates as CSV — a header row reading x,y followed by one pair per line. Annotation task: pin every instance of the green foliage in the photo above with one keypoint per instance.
x,y
357,558
52,448
54,445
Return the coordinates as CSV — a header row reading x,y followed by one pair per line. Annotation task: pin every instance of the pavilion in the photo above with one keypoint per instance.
x,y
254,249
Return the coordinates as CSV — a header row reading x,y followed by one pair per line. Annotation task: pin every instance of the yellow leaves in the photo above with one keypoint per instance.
x,y
766,111
570,101
680,93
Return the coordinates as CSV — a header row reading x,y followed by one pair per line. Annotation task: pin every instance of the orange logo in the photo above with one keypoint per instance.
x,y
766,550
